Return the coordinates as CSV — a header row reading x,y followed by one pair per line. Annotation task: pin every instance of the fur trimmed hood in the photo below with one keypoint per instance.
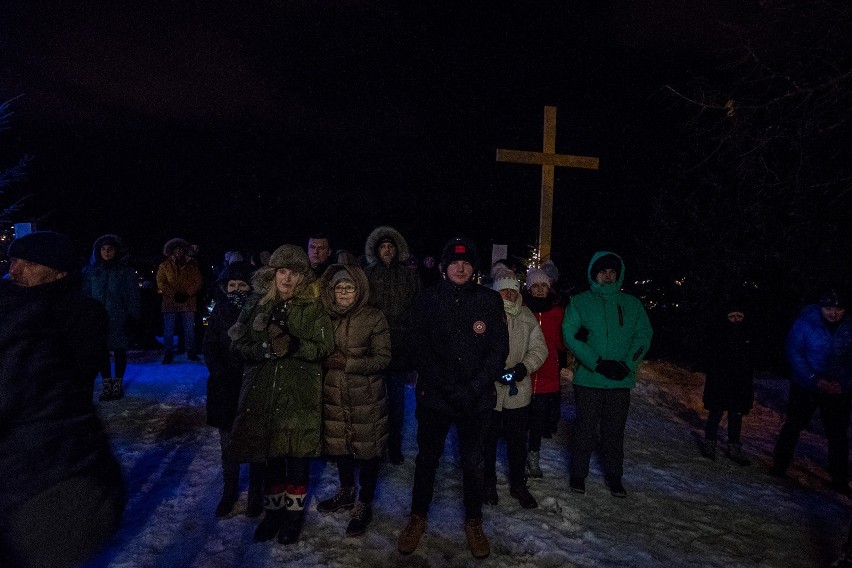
x,y
172,244
379,233
121,252
356,275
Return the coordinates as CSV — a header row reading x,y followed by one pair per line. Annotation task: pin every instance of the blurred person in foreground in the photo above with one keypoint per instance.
x,y
62,494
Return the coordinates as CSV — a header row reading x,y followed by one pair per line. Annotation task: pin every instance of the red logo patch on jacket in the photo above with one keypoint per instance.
x,y
479,327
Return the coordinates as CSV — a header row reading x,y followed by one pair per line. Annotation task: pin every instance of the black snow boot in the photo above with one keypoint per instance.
x,y
118,388
270,525
708,449
106,392
230,494
254,505
292,527
362,514
736,455
344,499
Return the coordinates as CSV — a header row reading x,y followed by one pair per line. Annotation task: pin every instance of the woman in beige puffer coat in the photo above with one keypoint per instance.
x,y
355,412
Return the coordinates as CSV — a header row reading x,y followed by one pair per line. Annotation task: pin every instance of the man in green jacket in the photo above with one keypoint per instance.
x,y
609,333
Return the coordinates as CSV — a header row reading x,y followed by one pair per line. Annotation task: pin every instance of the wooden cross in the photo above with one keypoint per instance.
x,y
548,159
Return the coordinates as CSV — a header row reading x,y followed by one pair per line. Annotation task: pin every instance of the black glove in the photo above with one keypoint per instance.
x,y
613,370
181,297
513,375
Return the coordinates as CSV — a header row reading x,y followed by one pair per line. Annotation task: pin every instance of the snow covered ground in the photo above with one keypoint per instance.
x,y
682,510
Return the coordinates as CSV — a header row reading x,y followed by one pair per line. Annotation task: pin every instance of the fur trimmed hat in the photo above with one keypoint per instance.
x,y
47,248
290,256
459,248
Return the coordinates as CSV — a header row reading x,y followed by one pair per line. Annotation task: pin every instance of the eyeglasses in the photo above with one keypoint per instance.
x,y
346,289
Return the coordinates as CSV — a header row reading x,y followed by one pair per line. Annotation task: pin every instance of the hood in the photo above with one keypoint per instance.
x,y
402,252
121,252
591,277
263,280
356,275
240,270
171,244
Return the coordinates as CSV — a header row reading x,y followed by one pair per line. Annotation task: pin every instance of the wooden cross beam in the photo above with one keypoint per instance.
x,y
548,159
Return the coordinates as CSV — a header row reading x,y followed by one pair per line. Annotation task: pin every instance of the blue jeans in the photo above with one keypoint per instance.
x,y
188,320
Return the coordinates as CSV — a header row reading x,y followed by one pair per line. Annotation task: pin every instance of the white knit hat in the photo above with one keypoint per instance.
x,y
507,283
536,275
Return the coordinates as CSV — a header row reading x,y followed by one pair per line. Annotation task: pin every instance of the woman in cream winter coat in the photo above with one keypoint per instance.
x,y
527,352
355,405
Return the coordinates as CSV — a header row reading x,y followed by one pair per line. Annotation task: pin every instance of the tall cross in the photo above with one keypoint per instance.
x,y
548,159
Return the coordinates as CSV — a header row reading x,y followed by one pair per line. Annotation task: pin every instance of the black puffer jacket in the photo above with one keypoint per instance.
x,y
52,343
460,341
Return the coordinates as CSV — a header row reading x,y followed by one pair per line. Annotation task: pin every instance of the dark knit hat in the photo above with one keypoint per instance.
x,y
604,262
240,270
47,248
459,249
830,299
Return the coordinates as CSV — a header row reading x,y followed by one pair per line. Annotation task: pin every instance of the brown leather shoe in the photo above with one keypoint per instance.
x,y
409,538
476,539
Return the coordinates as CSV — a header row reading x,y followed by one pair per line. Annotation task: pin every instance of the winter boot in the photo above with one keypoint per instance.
x,y
489,492
254,506
476,539
736,455
616,488
362,514
410,536
343,500
577,485
230,494
297,496
533,467
168,357
118,388
524,497
106,391
275,505
708,449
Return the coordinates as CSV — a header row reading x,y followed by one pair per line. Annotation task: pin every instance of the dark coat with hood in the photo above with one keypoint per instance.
x,y
114,284
280,409
460,340
393,289
730,367
355,410
225,366
52,342
614,326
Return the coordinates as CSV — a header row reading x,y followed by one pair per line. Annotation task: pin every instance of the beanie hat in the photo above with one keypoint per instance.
x,y
507,283
45,247
240,270
537,275
459,249
290,256
830,299
608,260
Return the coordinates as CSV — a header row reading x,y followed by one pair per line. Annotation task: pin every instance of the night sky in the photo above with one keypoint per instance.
x,y
250,124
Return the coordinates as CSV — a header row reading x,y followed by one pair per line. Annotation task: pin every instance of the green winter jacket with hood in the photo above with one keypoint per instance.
x,y
606,323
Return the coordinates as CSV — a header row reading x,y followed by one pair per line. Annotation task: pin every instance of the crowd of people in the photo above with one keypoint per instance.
x,y
309,353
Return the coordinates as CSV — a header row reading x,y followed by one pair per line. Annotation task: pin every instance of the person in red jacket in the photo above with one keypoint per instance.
x,y
541,300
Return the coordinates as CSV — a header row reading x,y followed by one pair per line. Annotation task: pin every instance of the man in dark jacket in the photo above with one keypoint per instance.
x,y
62,494
393,287
460,340
819,350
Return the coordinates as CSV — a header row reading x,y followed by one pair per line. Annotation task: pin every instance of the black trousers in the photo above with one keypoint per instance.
x,y
120,364
834,412
432,430
512,425
601,419
368,473
735,425
541,417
